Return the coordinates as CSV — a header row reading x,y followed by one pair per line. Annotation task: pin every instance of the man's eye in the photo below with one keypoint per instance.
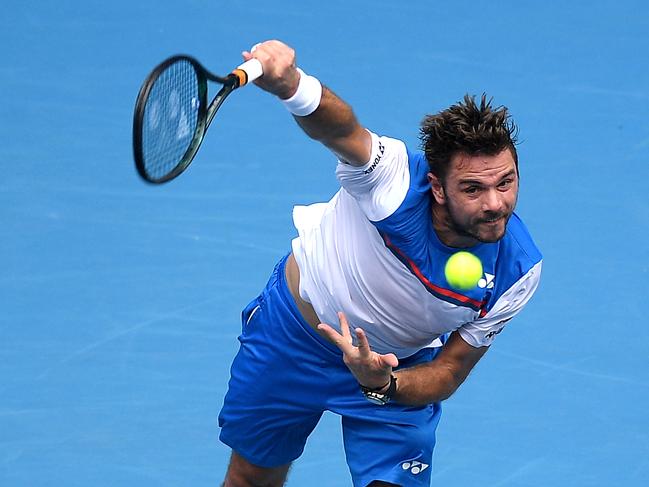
x,y
505,183
471,190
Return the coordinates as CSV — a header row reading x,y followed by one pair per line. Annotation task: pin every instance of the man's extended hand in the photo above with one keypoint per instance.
x,y
371,369
280,78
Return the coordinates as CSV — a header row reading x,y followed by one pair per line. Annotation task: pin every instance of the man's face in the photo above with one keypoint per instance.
x,y
479,193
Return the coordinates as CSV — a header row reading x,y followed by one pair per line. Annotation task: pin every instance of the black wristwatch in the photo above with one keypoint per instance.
x,y
380,398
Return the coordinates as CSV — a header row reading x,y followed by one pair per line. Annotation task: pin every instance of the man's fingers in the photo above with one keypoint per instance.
x,y
363,344
389,360
329,331
344,327
339,340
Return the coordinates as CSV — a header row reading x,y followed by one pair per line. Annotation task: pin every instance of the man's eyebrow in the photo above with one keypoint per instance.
x,y
480,183
470,181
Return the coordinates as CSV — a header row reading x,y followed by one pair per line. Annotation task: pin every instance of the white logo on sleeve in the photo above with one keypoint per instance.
x,y
415,467
487,281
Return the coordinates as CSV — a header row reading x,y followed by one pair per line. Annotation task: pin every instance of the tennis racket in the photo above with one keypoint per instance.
x,y
172,115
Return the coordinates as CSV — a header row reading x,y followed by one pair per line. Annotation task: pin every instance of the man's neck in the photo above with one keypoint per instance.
x,y
445,231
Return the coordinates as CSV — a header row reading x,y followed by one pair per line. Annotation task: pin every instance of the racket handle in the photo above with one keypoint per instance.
x,y
248,71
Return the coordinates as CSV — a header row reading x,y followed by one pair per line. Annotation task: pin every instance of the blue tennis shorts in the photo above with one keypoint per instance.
x,y
285,376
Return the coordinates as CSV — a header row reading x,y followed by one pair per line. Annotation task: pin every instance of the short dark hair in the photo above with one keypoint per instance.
x,y
467,127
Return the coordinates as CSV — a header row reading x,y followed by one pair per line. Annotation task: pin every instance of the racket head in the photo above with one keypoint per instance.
x,y
170,118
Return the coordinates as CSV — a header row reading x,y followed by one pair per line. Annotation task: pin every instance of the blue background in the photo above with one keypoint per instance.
x,y
120,301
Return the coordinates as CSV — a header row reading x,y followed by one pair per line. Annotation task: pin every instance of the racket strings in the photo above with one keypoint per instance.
x,y
170,119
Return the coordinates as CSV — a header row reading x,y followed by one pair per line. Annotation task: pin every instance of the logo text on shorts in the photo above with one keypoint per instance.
x,y
415,467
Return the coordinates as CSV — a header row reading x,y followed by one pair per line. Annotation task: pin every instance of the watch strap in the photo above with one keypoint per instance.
x,y
381,398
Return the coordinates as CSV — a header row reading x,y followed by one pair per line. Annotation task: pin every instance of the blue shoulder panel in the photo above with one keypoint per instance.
x,y
409,234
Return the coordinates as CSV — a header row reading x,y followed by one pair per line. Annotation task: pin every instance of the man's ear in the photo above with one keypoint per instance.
x,y
436,188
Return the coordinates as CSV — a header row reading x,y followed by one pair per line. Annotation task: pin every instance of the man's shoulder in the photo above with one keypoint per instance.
x,y
518,242
517,253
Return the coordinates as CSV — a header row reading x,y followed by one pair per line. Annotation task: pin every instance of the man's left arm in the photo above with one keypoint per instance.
x,y
440,378
422,384
437,380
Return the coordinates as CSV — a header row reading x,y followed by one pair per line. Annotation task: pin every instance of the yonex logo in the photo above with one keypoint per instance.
x,y
415,467
487,281
377,159
492,334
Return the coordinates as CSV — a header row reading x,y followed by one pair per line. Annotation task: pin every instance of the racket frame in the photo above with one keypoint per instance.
x,y
204,118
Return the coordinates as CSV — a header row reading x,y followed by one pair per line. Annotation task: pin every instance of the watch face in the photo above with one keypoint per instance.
x,y
376,398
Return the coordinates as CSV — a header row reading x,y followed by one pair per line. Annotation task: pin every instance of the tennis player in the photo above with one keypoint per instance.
x,y
358,319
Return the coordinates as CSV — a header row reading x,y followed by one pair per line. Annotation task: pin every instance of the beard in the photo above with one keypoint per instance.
x,y
489,227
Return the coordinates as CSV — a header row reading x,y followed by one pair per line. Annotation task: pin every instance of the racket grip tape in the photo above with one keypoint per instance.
x,y
248,71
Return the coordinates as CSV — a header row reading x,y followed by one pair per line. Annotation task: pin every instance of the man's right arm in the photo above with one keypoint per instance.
x,y
333,122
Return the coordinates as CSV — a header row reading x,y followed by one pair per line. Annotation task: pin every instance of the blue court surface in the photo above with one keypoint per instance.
x,y
120,301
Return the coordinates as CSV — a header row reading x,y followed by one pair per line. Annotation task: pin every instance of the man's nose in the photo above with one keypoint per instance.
x,y
492,201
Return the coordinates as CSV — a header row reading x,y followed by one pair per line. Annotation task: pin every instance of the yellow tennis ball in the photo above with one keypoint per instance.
x,y
463,270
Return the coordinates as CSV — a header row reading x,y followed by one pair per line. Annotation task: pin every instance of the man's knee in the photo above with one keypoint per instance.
x,y
242,473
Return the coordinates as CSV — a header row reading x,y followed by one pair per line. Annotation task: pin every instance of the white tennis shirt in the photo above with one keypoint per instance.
x,y
372,252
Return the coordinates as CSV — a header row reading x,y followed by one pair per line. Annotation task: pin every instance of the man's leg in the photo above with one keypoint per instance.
x,y
242,473
275,394
392,444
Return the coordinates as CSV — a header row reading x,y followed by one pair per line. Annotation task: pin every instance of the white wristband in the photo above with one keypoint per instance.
x,y
307,97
